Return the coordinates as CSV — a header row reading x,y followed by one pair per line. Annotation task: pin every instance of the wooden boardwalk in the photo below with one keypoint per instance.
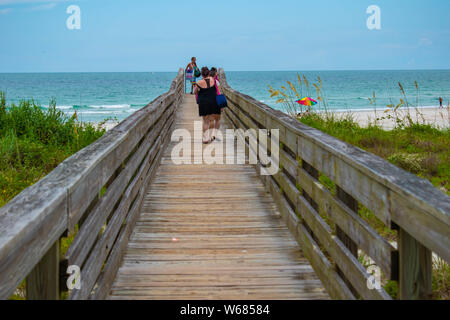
x,y
211,232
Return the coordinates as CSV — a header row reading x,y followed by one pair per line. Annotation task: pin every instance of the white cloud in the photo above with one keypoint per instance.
x,y
9,2
43,7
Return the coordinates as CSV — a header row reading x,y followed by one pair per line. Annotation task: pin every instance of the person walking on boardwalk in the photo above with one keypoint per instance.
x,y
207,104
215,117
190,69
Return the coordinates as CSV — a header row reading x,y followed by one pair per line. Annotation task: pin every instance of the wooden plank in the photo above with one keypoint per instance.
x,y
375,246
43,282
291,141
289,216
348,264
330,279
415,269
352,204
314,173
289,164
285,292
289,190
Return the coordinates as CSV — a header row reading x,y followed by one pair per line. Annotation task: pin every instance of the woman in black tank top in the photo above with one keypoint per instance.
x,y
207,104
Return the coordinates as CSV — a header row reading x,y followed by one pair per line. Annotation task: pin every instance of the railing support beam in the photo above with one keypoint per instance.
x,y
415,268
43,281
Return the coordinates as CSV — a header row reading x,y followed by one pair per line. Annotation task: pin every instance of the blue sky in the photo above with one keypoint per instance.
x,y
161,35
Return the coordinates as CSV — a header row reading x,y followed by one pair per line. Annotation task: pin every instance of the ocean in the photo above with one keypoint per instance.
x,y
99,96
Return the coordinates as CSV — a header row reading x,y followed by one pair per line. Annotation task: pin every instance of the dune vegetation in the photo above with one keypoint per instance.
x,y
418,147
34,140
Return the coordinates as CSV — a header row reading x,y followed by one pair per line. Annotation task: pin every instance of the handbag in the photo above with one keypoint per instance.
x,y
197,72
220,99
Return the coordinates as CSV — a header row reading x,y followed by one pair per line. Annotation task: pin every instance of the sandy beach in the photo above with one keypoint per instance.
x,y
109,125
439,117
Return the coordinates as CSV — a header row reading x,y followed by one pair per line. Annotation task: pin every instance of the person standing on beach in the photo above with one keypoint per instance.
x,y
440,102
190,72
207,104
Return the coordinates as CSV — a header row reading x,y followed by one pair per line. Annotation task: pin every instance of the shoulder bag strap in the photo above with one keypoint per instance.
x,y
217,88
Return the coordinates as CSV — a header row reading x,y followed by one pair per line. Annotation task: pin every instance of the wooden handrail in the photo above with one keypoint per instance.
x,y
402,201
95,192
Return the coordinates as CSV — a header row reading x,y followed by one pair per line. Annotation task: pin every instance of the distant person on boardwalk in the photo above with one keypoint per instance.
x,y
215,117
214,74
440,102
191,68
206,89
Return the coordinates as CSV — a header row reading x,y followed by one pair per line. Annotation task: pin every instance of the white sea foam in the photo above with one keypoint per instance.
x,y
106,112
62,107
113,106
86,107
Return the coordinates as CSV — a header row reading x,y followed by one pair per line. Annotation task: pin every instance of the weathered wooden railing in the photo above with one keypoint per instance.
x,y
95,195
326,222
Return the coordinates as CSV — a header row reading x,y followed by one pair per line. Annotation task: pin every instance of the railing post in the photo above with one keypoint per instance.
x,y
43,281
415,269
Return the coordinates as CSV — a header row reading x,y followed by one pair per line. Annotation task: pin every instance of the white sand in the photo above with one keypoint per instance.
x,y
439,117
109,125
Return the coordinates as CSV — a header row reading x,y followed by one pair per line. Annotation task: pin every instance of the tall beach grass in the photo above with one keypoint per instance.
x,y
34,140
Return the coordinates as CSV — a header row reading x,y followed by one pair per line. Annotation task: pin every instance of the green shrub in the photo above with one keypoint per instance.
x,y
34,140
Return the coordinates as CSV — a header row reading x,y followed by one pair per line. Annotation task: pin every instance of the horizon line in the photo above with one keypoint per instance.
x,y
231,70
